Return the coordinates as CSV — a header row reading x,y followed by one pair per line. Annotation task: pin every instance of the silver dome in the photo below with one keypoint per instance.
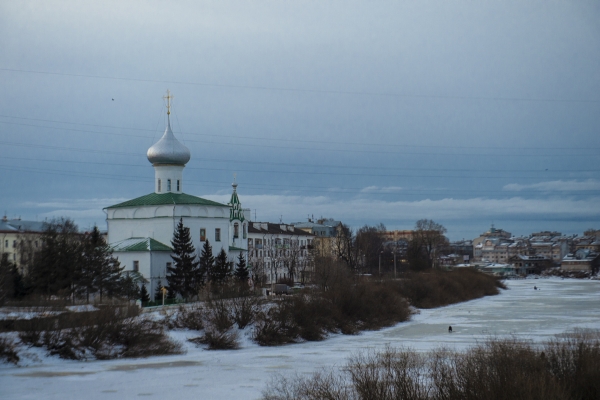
x,y
168,150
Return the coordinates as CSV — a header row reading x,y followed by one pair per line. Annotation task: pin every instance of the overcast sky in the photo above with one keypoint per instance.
x,y
468,113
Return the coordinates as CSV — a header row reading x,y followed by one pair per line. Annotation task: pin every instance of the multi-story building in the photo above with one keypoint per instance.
x,y
279,252
325,233
581,260
19,240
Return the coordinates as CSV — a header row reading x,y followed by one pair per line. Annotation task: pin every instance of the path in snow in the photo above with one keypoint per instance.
x,y
559,306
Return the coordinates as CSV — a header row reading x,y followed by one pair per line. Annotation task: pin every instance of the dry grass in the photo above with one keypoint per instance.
x,y
567,368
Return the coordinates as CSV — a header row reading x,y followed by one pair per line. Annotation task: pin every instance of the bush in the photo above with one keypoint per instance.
x,y
7,350
439,288
217,340
244,309
566,368
186,317
111,332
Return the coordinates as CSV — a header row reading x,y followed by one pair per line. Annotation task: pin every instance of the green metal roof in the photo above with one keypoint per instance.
x,y
233,248
155,199
140,244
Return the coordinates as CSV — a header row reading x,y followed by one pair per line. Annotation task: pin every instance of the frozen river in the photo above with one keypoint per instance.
x,y
560,305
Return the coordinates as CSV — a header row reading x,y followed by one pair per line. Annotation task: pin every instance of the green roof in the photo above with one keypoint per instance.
x,y
155,199
140,244
233,248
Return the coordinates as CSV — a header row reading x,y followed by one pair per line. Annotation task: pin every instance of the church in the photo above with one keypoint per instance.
x,y
140,230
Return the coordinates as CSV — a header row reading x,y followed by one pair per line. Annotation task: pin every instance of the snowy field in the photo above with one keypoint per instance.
x,y
560,305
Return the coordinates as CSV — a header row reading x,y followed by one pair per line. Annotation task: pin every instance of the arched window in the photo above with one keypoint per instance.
x,y
236,230
159,185
245,231
168,185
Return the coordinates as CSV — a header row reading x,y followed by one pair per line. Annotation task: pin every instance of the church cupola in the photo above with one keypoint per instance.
x,y
168,156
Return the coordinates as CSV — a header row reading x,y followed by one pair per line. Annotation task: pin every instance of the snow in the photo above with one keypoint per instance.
x,y
521,311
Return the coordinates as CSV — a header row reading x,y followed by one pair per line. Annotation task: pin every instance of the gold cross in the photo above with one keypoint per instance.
x,y
168,97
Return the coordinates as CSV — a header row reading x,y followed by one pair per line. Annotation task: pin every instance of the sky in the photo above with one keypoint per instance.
x,y
467,113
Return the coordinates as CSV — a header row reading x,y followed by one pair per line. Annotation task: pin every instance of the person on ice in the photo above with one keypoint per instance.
x,y
450,329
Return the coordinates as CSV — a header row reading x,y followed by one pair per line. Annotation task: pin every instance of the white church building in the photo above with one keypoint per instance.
x,y
140,230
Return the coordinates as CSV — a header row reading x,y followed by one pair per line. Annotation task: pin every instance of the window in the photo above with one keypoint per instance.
x,y
202,234
136,266
36,243
169,265
159,186
236,230
245,233
217,234
6,243
178,186
168,185
14,256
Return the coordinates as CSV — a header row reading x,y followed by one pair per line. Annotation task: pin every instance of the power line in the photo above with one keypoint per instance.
x,y
287,189
281,139
314,91
361,151
388,168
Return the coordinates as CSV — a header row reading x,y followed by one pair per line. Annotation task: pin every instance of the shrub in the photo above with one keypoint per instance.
x,y
111,332
217,340
244,309
566,368
7,350
186,317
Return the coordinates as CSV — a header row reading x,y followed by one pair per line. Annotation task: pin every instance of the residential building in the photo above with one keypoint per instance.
x,y
19,240
279,252
581,260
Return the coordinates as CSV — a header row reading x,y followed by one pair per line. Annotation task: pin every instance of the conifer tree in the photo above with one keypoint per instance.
x,y
207,262
241,270
220,272
158,292
144,296
183,275
100,272
129,287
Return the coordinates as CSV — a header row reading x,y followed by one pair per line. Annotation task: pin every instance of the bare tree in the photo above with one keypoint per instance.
x,y
344,246
428,240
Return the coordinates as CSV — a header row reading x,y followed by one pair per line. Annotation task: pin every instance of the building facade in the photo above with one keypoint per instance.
x,y
278,252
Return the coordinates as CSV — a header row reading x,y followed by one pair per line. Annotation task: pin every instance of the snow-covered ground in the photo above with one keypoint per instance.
x,y
560,305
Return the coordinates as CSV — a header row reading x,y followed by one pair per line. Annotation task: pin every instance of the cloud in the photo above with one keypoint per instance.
x,y
296,208
383,189
76,204
556,186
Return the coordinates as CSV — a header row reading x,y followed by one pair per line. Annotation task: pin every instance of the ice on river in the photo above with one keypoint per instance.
x,y
559,306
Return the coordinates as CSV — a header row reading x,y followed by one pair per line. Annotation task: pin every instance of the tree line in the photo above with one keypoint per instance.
x,y
190,273
68,264
365,250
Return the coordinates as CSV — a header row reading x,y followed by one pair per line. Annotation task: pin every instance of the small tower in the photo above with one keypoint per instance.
x,y
236,217
168,156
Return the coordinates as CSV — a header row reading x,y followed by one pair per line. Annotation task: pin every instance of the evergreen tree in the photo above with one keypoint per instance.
x,y
241,270
158,292
7,290
129,287
100,272
56,266
207,261
144,296
183,276
220,272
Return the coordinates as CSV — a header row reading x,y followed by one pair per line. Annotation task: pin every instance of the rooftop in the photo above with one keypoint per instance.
x,y
155,199
140,244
